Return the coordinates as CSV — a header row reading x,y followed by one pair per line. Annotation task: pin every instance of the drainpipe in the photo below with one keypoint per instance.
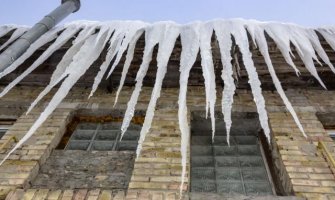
x,y
22,44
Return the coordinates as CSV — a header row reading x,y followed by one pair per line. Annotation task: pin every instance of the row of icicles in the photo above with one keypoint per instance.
x,y
122,36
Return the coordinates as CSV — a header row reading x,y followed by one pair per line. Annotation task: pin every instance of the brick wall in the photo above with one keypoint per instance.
x,y
304,171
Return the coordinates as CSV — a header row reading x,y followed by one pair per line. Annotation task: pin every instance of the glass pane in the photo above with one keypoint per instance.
x,y
255,174
228,174
131,135
78,145
222,141
203,173
83,135
245,140
111,126
252,150
127,146
258,188
202,161
107,135
225,151
203,186
201,140
102,146
202,151
87,126
251,161
226,161
230,187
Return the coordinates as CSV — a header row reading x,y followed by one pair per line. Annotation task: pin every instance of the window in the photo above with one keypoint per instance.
x,y
91,155
103,137
5,124
328,122
331,133
219,168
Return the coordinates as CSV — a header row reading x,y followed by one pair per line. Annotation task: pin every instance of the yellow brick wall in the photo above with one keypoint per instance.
x,y
156,175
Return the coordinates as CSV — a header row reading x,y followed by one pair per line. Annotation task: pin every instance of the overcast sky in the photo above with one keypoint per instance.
x,y
304,12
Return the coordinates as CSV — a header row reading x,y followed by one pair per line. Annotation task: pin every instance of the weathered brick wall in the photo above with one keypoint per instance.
x,y
156,175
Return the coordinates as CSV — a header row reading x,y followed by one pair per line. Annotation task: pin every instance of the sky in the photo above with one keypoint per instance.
x,y
311,13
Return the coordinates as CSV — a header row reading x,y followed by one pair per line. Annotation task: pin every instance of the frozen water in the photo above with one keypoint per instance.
x,y
121,37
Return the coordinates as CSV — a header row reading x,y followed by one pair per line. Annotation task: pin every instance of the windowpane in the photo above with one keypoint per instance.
x,y
218,167
103,137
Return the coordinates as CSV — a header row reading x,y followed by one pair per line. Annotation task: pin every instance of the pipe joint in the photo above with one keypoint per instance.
x,y
76,3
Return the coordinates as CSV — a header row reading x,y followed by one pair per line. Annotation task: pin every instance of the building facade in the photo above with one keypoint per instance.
x,y
77,152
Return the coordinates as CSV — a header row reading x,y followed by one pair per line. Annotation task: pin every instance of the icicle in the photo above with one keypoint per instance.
x,y
190,42
49,36
73,50
207,65
17,33
328,35
118,44
71,67
239,33
296,35
166,43
60,41
223,36
257,33
314,39
129,58
283,43
4,30
85,57
130,34
153,35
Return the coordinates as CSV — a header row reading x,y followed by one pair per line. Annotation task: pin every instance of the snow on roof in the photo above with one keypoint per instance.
x,y
122,36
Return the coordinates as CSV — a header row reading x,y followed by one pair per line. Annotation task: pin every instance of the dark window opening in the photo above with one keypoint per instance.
x,y
239,168
5,124
328,122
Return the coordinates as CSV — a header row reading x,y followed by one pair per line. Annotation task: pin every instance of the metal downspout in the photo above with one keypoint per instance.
x,y
22,44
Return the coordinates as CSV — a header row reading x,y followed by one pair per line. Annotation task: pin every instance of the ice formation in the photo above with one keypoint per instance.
x,y
120,39
16,34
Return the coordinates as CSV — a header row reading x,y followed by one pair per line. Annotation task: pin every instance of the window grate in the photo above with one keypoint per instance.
x,y
219,168
103,137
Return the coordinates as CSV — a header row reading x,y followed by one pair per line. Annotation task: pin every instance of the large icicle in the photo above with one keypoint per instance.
x,y
70,67
207,66
61,70
47,37
314,39
329,35
297,35
153,35
129,58
73,50
60,41
124,32
133,28
223,35
17,33
257,33
167,40
5,29
241,38
190,41
85,57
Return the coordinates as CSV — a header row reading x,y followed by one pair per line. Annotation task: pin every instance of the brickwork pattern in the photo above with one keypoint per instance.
x,y
304,169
